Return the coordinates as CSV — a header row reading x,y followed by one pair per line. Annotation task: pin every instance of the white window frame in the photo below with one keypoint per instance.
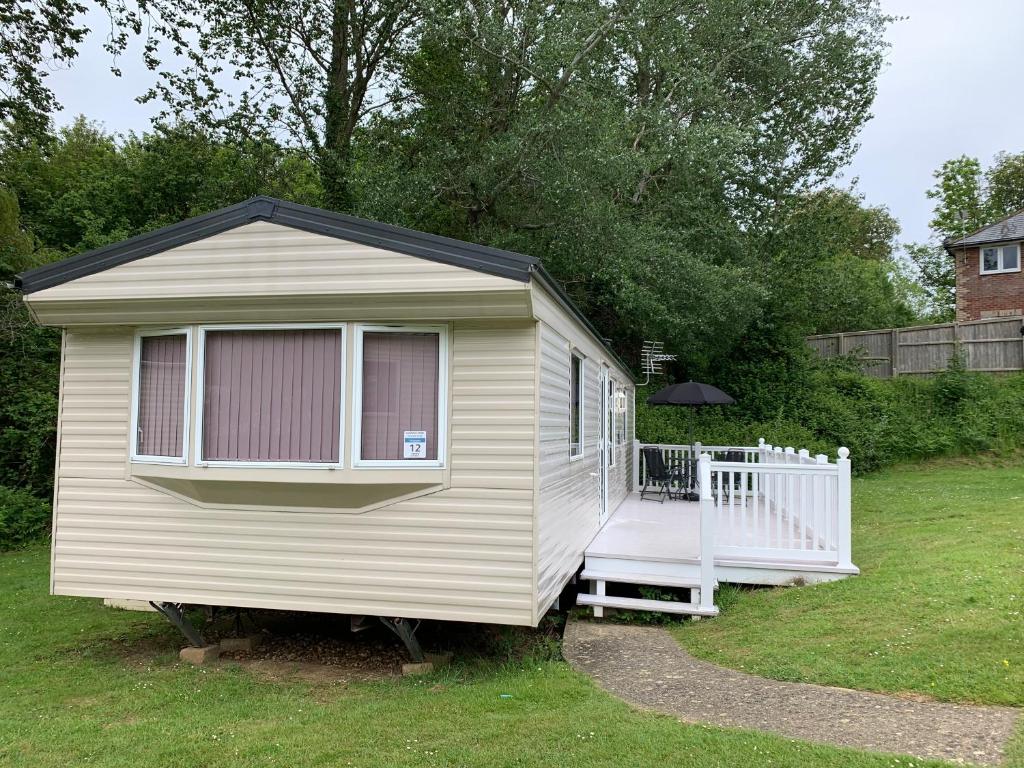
x,y
999,248
575,354
442,397
621,393
609,418
200,397
187,404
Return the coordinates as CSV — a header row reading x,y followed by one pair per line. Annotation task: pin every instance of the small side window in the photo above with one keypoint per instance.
x,y
160,402
575,406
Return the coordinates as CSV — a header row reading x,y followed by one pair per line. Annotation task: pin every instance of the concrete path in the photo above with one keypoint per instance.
x,y
646,667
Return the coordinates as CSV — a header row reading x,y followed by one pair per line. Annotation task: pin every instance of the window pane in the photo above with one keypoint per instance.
x,y
400,394
161,417
575,381
272,396
989,259
620,416
609,418
1009,257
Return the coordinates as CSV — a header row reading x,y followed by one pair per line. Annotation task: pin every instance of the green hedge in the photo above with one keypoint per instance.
x,y
882,422
24,518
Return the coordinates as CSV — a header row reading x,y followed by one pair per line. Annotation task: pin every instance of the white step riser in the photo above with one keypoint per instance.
x,y
634,604
681,571
641,579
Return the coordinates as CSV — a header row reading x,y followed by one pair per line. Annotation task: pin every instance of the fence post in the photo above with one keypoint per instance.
x,y
706,599
844,508
761,447
636,467
894,358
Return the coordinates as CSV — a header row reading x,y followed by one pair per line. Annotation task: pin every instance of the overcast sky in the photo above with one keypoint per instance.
x,y
951,86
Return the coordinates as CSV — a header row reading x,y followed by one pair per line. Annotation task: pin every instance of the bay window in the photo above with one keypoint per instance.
x,y
274,396
399,410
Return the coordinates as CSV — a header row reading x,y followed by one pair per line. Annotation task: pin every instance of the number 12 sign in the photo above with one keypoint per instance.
x,y
414,445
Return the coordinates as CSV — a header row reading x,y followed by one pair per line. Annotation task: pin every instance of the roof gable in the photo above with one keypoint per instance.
x,y
491,261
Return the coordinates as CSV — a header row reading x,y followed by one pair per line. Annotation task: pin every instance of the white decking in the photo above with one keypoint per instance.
x,y
775,518
670,532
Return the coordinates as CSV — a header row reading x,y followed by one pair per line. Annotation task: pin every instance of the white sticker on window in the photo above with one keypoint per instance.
x,y
415,445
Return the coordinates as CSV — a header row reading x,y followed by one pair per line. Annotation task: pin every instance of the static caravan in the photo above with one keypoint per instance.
x,y
275,406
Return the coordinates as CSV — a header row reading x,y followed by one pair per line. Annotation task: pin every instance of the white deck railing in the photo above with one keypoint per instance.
x,y
773,504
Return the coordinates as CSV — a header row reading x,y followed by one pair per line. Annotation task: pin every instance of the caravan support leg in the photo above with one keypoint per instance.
x,y
407,633
174,614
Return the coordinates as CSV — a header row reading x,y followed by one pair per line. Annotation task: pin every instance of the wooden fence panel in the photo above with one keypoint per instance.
x,y
994,345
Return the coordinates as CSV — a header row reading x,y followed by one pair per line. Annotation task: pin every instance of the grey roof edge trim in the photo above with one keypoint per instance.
x,y
480,258
545,278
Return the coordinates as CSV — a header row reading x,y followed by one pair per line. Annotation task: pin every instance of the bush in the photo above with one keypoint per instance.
x,y
24,518
831,404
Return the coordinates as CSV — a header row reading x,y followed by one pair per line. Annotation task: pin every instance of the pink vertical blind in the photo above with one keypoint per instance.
x,y
400,393
161,408
272,396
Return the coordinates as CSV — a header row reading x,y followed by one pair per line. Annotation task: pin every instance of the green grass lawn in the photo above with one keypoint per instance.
x,y
938,608
937,611
82,685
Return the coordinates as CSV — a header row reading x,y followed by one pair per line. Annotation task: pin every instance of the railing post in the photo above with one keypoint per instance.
x,y
707,535
761,446
844,508
636,467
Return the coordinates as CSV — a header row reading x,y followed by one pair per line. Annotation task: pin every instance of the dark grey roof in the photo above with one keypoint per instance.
x,y
446,250
1009,228
492,261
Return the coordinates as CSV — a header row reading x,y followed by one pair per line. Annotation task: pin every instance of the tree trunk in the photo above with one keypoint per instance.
x,y
335,156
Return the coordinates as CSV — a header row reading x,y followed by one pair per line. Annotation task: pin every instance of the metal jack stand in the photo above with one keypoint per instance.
x,y
173,613
407,632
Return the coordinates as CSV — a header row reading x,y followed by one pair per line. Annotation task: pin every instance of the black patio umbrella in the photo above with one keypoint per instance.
x,y
691,394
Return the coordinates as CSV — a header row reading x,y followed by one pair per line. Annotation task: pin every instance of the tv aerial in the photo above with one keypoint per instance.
x,y
652,357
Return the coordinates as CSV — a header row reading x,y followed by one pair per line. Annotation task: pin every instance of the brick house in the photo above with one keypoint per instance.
x,y
989,281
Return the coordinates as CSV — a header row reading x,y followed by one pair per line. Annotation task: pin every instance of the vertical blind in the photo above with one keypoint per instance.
x,y
161,410
400,393
272,396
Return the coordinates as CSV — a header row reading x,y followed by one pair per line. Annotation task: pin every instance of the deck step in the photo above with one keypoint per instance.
x,y
637,604
647,579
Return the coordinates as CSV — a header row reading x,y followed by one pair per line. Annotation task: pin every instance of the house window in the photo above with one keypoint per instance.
x,y
620,415
272,395
575,406
160,401
400,407
1000,258
609,442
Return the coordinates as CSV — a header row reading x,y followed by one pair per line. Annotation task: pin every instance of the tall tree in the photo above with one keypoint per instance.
x,y
641,148
306,72
35,37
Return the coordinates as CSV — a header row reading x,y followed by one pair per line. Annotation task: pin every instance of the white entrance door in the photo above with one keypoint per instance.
x,y
605,456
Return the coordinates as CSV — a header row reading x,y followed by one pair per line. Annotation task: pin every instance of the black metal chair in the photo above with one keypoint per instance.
x,y
732,455
658,474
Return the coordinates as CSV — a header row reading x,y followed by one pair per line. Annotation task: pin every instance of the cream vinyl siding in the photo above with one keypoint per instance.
x,y
266,259
569,491
465,553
